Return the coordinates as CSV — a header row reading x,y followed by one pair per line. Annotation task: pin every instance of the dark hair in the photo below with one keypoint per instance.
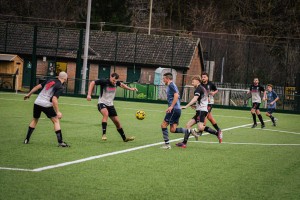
x,y
205,73
169,75
115,75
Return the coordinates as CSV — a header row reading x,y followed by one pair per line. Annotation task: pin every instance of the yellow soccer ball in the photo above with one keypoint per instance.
x,y
140,114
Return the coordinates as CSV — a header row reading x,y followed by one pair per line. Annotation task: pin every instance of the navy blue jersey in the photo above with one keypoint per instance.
x,y
271,96
171,90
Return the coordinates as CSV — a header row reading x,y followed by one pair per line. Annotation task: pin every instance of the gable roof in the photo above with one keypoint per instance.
x,y
132,48
7,57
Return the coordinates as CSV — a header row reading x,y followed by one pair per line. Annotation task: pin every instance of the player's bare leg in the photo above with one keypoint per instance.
x,y
30,130
117,123
104,113
260,118
58,133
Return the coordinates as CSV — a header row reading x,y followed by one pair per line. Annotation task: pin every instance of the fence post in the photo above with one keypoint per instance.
x,y
78,63
34,61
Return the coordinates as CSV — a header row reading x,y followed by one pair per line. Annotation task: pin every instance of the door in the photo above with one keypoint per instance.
x,y
26,73
104,71
133,75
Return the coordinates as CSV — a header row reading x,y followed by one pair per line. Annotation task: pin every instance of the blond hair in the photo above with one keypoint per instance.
x,y
198,78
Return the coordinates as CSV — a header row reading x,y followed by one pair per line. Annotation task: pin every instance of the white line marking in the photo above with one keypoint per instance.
x,y
241,143
15,169
107,154
273,130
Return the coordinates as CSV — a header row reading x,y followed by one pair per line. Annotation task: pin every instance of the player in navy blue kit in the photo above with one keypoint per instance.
x,y
105,103
271,98
173,111
256,90
47,102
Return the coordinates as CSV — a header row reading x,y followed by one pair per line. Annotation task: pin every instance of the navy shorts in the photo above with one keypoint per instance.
x,y
37,110
111,109
255,106
200,116
270,110
173,117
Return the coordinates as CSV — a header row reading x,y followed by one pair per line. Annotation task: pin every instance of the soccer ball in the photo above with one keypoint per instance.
x,y
140,114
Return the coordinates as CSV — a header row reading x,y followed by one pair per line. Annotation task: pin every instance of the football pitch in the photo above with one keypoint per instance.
x,y
249,164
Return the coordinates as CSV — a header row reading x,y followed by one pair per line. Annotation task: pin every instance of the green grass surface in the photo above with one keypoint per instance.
x,y
248,165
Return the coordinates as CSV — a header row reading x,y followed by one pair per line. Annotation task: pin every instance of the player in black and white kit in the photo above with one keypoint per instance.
x,y
201,100
105,102
256,90
47,102
212,90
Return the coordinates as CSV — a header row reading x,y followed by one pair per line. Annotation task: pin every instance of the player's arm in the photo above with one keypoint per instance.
x,y
194,100
33,90
276,99
55,106
214,92
90,90
265,95
126,87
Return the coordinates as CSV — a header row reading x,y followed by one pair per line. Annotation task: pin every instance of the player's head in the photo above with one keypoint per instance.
x,y
269,87
204,77
113,78
255,81
63,76
196,80
167,78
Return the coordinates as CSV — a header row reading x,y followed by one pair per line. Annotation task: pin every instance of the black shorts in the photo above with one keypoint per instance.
x,y
209,107
37,110
200,116
111,109
255,106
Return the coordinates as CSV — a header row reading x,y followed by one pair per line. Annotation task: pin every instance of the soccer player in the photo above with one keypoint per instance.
x,y
105,103
201,100
271,98
212,90
256,90
173,111
47,102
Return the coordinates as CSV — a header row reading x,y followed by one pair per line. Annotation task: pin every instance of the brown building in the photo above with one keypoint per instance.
x,y
134,56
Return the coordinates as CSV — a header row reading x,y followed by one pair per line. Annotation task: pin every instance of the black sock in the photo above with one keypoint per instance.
x,y
211,131
59,136
29,132
260,119
104,125
122,133
186,136
272,118
216,127
254,118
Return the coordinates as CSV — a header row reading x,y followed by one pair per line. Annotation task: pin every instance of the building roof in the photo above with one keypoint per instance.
x,y
132,48
7,57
